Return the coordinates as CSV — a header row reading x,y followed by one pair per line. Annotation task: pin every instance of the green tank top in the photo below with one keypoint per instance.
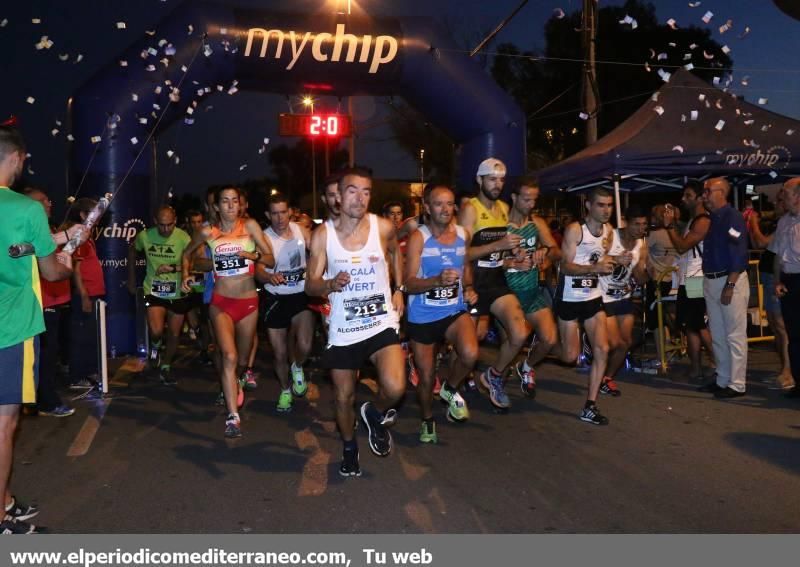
x,y
525,281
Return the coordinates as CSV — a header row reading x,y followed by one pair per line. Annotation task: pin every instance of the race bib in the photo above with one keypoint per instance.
x,y
442,295
493,261
584,283
164,289
294,277
230,265
365,307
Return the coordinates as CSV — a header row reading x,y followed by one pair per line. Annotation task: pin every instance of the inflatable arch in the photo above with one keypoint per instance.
x,y
207,47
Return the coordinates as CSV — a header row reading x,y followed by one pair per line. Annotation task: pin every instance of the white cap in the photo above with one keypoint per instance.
x,y
492,166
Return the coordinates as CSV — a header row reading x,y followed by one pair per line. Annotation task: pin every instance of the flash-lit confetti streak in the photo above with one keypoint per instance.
x,y
725,27
789,132
745,33
762,101
694,4
628,20
672,23
720,125
678,149
665,76
659,110
558,13
707,17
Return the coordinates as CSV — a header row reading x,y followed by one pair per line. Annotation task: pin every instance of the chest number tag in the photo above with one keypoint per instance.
x,y
365,307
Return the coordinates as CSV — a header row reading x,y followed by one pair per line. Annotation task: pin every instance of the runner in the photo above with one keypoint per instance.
x,y
579,298
439,282
290,324
235,244
486,217
629,252
162,247
537,246
197,316
352,258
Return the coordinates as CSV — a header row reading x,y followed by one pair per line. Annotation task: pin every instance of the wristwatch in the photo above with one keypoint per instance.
x,y
730,285
401,288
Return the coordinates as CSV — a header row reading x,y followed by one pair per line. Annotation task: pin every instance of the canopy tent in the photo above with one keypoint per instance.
x,y
687,128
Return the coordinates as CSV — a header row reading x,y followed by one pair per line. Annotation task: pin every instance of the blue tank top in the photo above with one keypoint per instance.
x,y
439,302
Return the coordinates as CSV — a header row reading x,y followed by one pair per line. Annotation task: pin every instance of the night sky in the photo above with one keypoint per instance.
x,y
211,154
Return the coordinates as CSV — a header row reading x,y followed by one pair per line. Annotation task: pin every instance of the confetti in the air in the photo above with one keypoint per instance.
x,y
665,76
96,139
170,153
36,20
662,56
683,118
134,97
654,96
70,137
170,50
175,96
762,100
134,140
789,132
583,116
150,68
701,97
121,25
243,167
715,80
726,26
44,43
659,110
720,125
745,80
672,23
726,49
744,33
54,132
558,13
677,149
30,100
4,23
718,104
749,122
143,121
152,51
702,160
688,67
647,67
708,55
158,89
707,16
123,63
692,47
694,115
151,33
631,21
190,28
694,4
207,51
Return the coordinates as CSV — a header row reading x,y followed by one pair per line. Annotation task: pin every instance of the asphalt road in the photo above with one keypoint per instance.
x,y
150,459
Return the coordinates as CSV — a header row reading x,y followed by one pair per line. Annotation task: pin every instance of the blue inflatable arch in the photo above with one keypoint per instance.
x,y
204,47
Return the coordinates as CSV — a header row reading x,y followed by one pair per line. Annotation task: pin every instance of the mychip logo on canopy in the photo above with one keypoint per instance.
x,y
324,47
127,231
776,157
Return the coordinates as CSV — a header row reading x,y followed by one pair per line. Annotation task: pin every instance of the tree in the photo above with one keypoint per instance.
x,y
624,83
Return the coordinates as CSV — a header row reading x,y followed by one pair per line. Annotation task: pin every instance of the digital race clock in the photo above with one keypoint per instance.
x,y
316,125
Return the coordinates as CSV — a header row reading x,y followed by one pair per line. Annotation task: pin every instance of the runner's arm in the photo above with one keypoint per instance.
x,y
51,269
262,244
316,285
640,269
392,248
569,246
414,284
696,235
407,228
553,251
198,239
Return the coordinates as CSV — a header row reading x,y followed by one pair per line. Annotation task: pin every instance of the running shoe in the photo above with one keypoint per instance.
x,y
233,427
285,401
592,415
350,466
413,376
586,349
609,388
19,511
248,380
497,393
58,411
380,440
527,379
427,432
83,384
11,525
299,385
457,410
167,379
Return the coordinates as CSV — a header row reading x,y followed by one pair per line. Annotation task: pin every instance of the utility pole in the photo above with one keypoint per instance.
x,y
590,91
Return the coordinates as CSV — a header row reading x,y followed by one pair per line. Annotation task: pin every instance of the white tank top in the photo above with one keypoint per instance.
x,y
617,285
590,249
690,263
290,260
364,307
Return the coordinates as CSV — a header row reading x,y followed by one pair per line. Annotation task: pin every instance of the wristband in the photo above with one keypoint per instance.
x,y
730,285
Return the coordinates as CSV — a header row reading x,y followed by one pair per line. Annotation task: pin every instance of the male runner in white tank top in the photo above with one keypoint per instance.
x,y
583,259
352,259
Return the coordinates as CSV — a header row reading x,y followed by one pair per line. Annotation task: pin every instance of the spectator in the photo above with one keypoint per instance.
x,y
785,246
766,269
726,290
21,318
661,257
88,286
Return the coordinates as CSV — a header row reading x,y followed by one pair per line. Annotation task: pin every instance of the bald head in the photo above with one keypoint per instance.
x,y
793,184
720,183
165,220
791,195
715,193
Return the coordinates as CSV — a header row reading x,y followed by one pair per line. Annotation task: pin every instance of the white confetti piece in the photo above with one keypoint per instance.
x,y
692,47
164,62
157,107
207,51
134,140
4,23
766,127
79,58
789,132
734,233
190,111
188,120
134,97
683,118
170,153
44,43
701,97
152,51
762,101
688,66
123,63
694,4
629,21
30,100
121,26
58,122
190,29
745,80
170,50
162,42
744,33
151,33
672,44
158,89
654,96
36,20
558,13
718,104
652,53
720,125
749,122
647,67
233,90
708,55
678,149
773,174
150,68
726,26
143,120
184,68
672,23
243,167
583,116
174,96
54,132
177,160
726,49
96,139
715,80
687,56
70,137
662,56
664,75
702,160
707,16
659,110
694,115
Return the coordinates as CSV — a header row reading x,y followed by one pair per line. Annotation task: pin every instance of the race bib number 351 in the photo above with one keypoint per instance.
x,y
230,265
365,307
